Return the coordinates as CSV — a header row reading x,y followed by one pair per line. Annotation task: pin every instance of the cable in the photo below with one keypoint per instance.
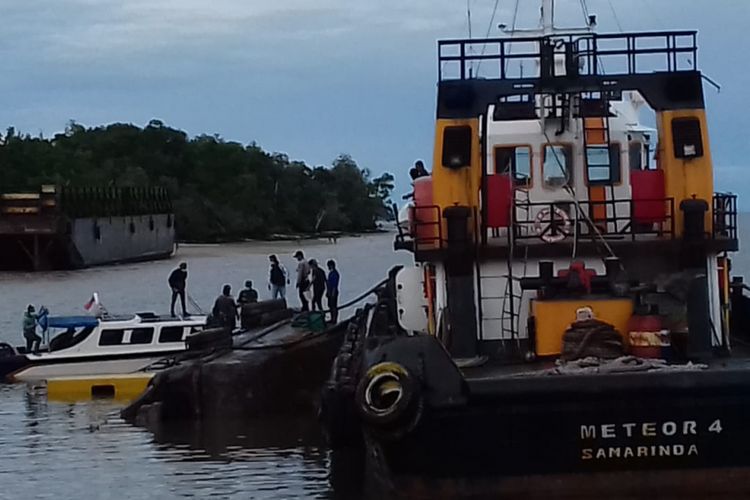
x,y
194,304
512,33
468,17
487,35
585,10
614,13
569,190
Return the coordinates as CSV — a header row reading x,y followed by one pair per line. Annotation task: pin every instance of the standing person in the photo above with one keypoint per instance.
x,y
225,309
303,279
249,295
332,290
29,330
418,171
318,285
178,283
278,278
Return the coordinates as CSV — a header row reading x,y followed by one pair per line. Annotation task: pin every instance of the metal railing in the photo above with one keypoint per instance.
x,y
725,216
586,55
590,220
557,221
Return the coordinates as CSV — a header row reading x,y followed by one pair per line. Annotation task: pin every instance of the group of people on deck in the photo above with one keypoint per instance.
x,y
312,284
311,277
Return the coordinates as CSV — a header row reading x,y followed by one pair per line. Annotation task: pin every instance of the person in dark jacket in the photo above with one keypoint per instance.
x,y
418,171
278,278
178,284
318,285
332,290
249,295
225,309
29,330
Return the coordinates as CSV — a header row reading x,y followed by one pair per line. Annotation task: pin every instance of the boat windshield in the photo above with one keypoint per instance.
x,y
70,337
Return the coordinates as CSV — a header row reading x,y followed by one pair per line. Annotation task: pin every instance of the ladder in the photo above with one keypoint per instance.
x,y
597,138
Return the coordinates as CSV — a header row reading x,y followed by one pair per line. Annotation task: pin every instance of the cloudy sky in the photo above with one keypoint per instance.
x,y
311,78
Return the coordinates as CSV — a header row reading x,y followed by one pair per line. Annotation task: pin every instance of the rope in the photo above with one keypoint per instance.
x,y
487,35
614,13
585,10
569,190
512,34
194,304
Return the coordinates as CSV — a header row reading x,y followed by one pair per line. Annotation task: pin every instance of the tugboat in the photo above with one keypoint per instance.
x,y
98,344
569,324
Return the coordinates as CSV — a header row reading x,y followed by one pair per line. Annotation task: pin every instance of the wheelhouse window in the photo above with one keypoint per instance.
x,y
142,336
687,136
516,161
457,147
111,337
603,165
558,165
171,334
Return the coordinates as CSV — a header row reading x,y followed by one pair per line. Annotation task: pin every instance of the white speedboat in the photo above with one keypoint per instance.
x,y
90,345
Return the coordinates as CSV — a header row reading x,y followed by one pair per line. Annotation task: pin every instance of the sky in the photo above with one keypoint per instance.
x,y
311,78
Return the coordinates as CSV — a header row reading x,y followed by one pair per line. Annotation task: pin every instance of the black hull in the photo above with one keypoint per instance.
x,y
11,364
587,438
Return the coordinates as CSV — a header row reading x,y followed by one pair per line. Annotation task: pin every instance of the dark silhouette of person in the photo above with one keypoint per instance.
x,y
249,295
225,309
332,290
29,330
278,278
418,170
303,279
178,283
318,285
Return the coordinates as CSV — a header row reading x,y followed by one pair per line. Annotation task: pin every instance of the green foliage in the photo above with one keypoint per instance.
x,y
220,190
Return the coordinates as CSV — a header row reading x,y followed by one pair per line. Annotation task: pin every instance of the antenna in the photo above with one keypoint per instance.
x,y
547,23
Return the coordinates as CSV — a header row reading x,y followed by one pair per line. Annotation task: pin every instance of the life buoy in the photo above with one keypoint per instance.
x,y
552,230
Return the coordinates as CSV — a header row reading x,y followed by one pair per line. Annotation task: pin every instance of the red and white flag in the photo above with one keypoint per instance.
x,y
93,300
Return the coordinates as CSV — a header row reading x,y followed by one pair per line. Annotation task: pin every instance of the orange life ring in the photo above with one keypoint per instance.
x,y
552,230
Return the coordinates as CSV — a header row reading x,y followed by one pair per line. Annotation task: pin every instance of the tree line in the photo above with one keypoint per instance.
x,y
220,190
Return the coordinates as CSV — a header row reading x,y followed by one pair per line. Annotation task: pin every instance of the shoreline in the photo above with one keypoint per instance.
x,y
291,237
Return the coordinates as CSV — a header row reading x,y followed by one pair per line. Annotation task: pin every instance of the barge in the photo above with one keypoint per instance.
x,y
569,324
73,228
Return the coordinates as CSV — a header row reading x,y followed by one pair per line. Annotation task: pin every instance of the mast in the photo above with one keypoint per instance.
x,y
547,18
547,24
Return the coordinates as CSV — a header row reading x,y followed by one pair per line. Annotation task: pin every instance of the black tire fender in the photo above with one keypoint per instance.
x,y
385,394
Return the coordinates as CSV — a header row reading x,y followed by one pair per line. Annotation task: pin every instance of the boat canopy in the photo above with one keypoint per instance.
x,y
71,321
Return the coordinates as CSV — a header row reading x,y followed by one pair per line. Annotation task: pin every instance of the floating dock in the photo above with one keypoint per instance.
x,y
124,388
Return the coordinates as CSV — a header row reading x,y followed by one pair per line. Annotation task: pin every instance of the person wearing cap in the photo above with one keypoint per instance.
x,y
303,279
249,295
29,330
178,282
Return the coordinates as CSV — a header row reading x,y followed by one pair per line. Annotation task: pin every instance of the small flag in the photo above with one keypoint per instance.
x,y
93,300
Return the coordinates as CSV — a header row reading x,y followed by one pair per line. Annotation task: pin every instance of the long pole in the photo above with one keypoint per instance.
x,y
547,22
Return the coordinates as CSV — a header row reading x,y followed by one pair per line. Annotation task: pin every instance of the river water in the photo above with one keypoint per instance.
x,y
83,450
